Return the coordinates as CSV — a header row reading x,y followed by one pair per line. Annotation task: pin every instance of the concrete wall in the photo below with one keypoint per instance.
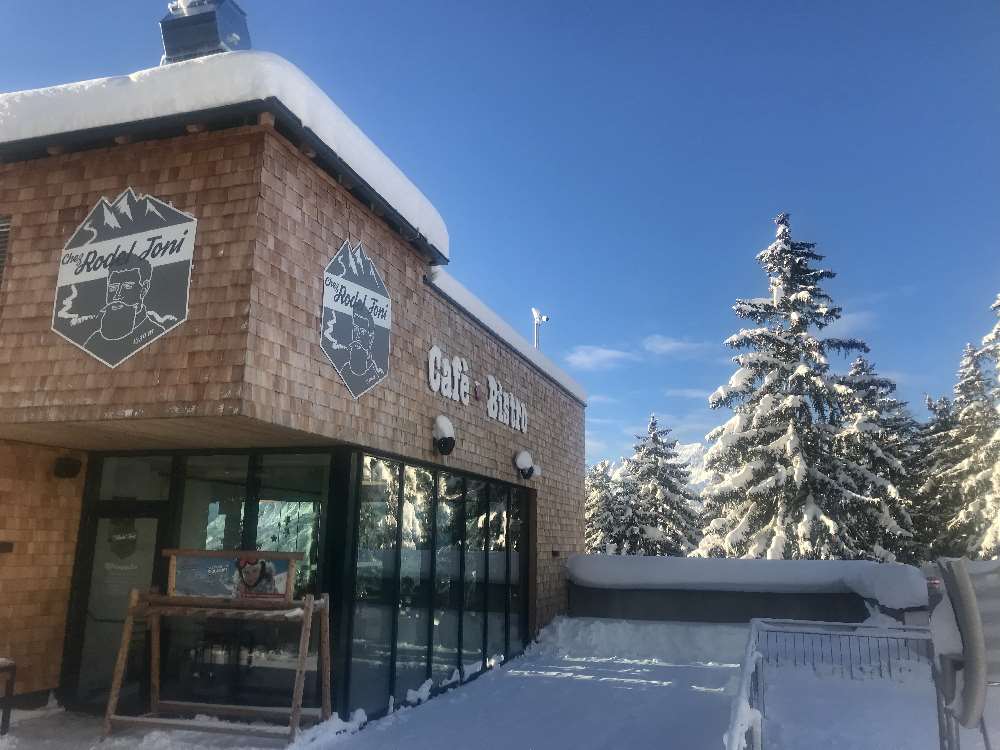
x,y
40,515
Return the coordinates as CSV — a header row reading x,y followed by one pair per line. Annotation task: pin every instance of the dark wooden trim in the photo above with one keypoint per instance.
x,y
230,116
397,578
337,567
232,554
530,523
76,613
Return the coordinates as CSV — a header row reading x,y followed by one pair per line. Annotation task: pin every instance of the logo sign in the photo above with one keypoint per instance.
x,y
124,277
123,537
356,319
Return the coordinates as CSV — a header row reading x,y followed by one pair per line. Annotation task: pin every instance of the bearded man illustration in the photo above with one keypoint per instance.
x,y
126,323
361,363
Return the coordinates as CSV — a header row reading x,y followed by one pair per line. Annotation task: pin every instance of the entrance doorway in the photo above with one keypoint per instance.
x,y
122,536
137,505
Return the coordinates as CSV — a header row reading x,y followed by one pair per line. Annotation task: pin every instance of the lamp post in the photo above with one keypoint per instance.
x,y
538,319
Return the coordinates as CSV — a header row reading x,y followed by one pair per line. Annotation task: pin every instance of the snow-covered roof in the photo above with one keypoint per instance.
x,y
893,585
453,289
212,82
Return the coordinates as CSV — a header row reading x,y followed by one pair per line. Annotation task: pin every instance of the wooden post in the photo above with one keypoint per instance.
x,y
121,662
324,656
172,575
300,671
290,582
154,663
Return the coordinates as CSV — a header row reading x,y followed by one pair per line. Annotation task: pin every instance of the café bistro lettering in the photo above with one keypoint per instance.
x,y
449,376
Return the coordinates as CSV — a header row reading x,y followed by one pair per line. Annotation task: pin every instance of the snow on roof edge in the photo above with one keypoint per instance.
x,y
217,81
893,585
452,288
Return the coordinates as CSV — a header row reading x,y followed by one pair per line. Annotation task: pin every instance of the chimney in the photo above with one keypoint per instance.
x,y
195,28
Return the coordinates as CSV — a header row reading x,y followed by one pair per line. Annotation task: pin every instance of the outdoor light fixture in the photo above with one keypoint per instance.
x,y
524,464
444,435
66,467
538,319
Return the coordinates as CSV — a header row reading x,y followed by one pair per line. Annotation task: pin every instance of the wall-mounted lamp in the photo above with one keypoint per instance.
x,y
444,435
525,465
66,467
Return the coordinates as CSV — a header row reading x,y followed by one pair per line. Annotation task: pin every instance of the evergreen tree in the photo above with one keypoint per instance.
x,y
598,507
875,443
939,501
975,452
662,503
783,490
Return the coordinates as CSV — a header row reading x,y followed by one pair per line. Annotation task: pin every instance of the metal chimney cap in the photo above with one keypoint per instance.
x,y
195,28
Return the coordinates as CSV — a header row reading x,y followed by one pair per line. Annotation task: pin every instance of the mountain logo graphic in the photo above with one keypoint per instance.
x,y
356,319
124,276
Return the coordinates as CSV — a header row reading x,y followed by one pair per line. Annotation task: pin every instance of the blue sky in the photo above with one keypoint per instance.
x,y
618,164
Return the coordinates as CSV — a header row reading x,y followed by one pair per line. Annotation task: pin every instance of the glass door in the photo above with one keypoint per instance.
x,y
126,527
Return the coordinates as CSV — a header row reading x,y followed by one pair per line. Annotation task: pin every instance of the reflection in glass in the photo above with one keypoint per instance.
x,y
414,581
474,599
374,588
496,595
124,551
447,579
292,496
214,495
517,539
136,478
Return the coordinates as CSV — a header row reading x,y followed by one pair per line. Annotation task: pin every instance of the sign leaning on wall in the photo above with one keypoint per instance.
x,y
124,276
356,320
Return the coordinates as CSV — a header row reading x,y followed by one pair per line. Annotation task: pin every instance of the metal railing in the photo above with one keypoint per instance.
x,y
834,650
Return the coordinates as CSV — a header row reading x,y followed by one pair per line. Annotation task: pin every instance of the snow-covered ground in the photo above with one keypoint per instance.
x,y
590,684
585,684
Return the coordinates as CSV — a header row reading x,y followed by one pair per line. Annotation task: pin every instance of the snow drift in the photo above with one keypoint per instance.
x,y
892,585
218,81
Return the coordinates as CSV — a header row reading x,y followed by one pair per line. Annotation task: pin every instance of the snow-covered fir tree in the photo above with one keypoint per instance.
x,y
975,529
784,491
656,483
599,507
875,442
938,502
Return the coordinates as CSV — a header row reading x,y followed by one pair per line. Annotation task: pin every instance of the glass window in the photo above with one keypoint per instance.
x,y
412,630
447,579
496,594
141,478
292,496
214,498
474,599
374,586
124,554
517,538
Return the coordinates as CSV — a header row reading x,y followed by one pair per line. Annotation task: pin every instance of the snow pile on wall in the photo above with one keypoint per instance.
x,y
663,642
892,585
218,81
453,289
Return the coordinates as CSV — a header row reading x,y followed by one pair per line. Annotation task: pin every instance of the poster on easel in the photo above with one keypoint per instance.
x,y
241,576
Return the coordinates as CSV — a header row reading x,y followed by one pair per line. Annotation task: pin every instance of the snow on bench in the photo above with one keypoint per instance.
x,y
892,585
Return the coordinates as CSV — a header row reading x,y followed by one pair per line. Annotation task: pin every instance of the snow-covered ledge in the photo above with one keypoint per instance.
x,y
452,288
211,82
892,585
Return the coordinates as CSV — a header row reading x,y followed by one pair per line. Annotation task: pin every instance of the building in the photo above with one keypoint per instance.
x,y
225,323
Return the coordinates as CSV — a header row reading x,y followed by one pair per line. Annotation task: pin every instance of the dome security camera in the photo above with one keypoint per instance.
x,y
444,435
